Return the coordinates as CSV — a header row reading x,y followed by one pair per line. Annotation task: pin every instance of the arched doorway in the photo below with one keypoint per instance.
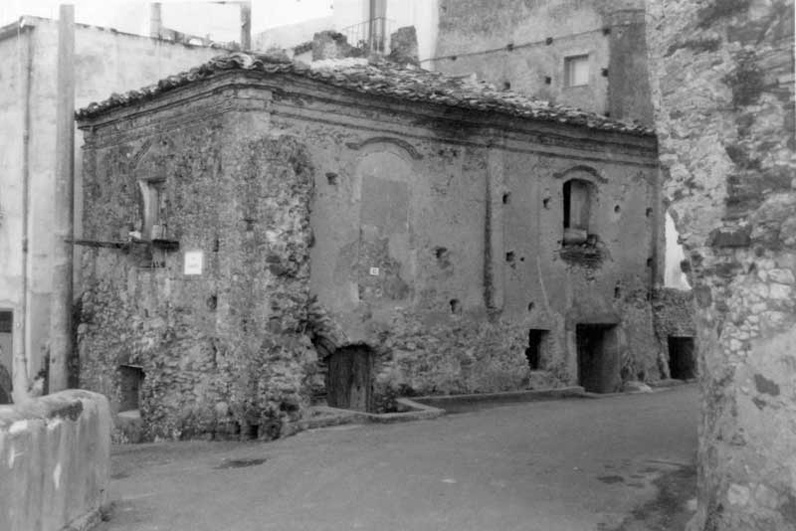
x,y
349,381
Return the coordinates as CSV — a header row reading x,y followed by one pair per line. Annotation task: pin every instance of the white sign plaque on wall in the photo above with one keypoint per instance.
x,y
194,260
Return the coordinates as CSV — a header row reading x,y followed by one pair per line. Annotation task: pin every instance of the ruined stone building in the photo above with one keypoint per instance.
x,y
105,61
254,222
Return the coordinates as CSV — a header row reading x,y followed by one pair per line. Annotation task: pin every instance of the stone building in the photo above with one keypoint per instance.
x,y
105,61
591,55
254,222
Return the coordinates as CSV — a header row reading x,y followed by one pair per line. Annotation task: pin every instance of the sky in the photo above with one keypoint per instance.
x,y
220,21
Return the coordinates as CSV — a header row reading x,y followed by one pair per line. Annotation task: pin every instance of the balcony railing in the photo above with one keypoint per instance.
x,y
371,36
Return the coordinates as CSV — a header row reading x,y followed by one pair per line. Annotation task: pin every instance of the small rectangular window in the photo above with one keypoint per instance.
x,y
576,70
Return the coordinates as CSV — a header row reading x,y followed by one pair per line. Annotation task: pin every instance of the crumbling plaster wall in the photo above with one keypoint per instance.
x,y
223,352
448,311
724,92
506,41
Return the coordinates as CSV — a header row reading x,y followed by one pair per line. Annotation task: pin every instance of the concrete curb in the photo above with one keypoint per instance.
x,y
427,407
507,397
331,416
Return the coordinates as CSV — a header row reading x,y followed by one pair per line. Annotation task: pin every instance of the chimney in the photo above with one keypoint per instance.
x,y
403,46
331,45
155,20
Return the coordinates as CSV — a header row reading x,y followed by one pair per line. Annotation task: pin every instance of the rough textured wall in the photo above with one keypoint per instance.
x,y
724,74
522,44
55,454
466,235
223,352
674,313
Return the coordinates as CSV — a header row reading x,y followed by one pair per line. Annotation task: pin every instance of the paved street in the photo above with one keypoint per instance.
x,y
569,465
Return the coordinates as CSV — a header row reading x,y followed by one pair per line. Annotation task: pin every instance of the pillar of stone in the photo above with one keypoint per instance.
x,y
331,45
723,83
403,46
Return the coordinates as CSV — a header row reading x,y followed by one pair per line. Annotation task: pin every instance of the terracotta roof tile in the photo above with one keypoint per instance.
x,y
381,78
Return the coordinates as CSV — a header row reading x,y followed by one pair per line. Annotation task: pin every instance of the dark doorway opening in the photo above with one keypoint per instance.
x,y
6,355
598,357
535,353
132,377
682,359
349,383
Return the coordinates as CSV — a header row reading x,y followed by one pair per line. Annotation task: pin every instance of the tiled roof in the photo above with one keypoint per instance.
x,y
381,78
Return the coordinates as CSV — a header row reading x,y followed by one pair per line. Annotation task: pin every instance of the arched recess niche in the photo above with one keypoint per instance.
x,y
580,198
383,187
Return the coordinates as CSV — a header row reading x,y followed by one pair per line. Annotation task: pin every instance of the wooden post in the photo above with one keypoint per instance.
x,y
246,25
61,340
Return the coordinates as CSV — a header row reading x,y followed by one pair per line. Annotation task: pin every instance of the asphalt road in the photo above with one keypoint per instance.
x,y
570,465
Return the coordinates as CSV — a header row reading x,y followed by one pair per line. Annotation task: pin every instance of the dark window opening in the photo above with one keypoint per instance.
x,y
132,377
682,359
577,207
537,343
153,207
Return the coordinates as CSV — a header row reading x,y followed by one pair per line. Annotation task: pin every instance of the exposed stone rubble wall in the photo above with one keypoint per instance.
x,y
723,74
223,352
54,462
674,314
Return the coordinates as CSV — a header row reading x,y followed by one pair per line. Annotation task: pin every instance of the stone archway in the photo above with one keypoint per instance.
x,y
722,78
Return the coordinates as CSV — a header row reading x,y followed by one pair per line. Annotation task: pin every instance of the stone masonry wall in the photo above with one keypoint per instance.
x,y
724,92
223,352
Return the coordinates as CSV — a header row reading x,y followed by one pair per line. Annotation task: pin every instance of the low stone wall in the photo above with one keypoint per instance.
x,y
54,462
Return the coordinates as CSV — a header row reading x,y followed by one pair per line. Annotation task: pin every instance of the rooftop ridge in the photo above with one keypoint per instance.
x,y
378,78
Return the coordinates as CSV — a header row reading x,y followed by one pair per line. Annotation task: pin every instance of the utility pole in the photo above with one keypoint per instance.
x,y
61,339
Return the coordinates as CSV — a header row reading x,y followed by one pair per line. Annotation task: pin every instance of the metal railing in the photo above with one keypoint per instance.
x,y
371,36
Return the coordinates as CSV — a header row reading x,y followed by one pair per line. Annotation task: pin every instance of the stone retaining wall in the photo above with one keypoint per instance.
x,y
54,462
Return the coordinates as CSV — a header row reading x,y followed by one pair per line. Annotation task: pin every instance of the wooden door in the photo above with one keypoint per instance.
x,y
349,384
